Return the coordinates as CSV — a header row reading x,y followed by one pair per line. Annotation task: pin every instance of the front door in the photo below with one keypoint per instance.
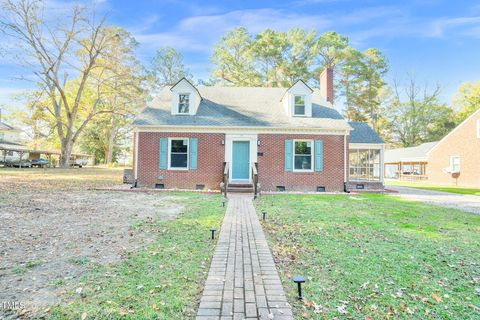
x,y
240,160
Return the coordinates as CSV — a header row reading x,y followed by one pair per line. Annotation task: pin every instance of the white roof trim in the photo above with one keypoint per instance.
x,y
212,129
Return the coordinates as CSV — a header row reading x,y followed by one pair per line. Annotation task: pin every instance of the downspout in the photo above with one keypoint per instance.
x,y
345,189
136,154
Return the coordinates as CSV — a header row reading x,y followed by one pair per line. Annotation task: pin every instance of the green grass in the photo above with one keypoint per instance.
x,y
81,261
426,186
375,257
161,281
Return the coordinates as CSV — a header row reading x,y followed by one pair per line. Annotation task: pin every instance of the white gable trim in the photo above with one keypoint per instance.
x,y
185,87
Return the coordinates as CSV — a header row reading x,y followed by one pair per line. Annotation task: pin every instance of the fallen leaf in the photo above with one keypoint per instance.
x,y
84,316
436,297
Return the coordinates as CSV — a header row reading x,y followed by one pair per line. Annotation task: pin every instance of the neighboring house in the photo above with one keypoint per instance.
x,y
456,158
408,163
293,136
9,134
10,143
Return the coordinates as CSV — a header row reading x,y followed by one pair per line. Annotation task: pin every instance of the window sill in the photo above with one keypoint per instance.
x,y
304,171
178,169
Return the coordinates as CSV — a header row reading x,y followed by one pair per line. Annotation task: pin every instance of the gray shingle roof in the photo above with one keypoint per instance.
x,y
241,107
362,133
409,154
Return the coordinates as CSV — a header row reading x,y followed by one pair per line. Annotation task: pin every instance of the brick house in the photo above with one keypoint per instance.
x,y
456,158
289,138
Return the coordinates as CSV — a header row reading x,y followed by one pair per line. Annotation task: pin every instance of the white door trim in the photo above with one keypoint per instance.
x,y
229,138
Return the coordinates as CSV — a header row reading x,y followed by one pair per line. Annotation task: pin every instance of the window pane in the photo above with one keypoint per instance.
x,y
376,156
303,147
178,160
299,109
183,103
303,162
179,146
299,100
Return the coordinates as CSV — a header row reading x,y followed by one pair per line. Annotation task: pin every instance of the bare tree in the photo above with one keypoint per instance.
x,y
415,113
53,49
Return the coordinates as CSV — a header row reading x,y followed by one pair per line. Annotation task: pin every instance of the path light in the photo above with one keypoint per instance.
x,y
213,232
264,214
299,280
224,200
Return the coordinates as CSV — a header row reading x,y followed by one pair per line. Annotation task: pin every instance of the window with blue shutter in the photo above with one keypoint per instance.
x,y
318,155
288,155
163,153
193,153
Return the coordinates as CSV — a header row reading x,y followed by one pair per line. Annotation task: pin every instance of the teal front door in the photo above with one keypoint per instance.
x,y
240,160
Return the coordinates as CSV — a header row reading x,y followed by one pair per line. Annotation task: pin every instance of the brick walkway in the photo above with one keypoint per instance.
x,y
243,282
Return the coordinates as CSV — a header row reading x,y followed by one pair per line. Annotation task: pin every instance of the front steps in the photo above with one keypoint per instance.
x,y
240,188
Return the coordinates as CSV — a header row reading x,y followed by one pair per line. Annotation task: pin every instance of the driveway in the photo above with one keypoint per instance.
x,y
463,202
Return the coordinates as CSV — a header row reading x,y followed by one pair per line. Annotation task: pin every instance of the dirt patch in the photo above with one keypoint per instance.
x,y
50,237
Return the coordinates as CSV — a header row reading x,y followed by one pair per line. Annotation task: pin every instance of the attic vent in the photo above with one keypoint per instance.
x,y
320,189
280,188
199,186
360,186
159,186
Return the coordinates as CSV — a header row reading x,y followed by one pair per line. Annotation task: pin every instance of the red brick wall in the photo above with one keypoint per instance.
x,y
271,167
211,154
462,142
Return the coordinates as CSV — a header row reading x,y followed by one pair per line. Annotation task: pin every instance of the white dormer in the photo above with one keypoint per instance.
x,y
297,100
185,98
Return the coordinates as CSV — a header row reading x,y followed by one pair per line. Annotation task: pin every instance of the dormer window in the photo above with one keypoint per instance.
x,y
299,108
184,103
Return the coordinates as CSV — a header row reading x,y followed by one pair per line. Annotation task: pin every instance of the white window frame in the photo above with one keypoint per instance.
x,y
178,105
304,106
452,164
312,163
170,152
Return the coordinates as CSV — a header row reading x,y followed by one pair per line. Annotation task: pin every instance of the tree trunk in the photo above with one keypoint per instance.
x,y
66,152
111,142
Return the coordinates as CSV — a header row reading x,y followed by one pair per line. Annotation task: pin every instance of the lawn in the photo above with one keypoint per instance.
x,y
161,281
71,251
375,256
425,186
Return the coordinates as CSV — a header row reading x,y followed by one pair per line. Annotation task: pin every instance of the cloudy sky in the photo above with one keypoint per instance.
x,y
438,41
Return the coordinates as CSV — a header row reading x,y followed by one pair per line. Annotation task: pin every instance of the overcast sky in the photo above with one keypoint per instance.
x,y
438,41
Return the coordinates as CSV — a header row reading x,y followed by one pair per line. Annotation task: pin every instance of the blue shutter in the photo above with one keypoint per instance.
x,y
288,155
318,155
163,153
193,153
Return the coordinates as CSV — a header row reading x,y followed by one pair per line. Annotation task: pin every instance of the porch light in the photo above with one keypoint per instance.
x,y
213,232
299,280
223,142
258,142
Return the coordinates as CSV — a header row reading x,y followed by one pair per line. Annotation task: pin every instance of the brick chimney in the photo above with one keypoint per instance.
x,y
326,84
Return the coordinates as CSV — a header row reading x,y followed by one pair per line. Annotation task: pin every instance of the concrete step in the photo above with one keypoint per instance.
x,y
239,190
240,187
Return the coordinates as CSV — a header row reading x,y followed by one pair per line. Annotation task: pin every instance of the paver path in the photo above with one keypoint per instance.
x,y
243,282
465,202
